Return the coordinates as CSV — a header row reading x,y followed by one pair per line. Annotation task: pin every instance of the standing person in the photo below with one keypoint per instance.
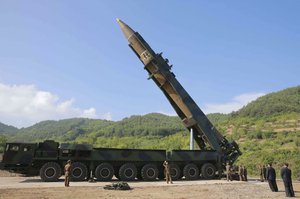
x,y
245,173
67,170
167,172
271,177
261,173
241,173
228,172
286,175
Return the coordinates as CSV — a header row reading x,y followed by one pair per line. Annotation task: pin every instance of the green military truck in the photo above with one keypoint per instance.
x,y
48,158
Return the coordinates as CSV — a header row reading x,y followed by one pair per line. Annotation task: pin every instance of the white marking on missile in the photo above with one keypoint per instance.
x,y
130,36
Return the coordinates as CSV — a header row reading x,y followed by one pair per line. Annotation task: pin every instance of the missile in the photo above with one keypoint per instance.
x,y
159,71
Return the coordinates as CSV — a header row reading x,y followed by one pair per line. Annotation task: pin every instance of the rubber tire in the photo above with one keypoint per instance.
x,y
139,176
128,167
100,168
175,172
55,167
161,174
208,171
187,172
83,171
149,168
116,169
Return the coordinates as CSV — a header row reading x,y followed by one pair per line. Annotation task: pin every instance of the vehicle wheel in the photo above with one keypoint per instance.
x,y
50,172
104,172
79,171
175,172
139,176
161,174
208,171
128,172
191,172
116,169
149,172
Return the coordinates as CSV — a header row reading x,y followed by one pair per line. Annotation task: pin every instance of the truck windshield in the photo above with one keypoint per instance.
x,y
12,147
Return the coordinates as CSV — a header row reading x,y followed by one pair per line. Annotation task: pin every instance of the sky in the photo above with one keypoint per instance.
x,y
65,59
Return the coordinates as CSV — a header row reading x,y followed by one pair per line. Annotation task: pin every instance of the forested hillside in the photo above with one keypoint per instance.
x,y
7,130
285,101
267,130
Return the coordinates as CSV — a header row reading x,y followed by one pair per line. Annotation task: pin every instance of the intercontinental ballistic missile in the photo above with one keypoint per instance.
x,y
191,115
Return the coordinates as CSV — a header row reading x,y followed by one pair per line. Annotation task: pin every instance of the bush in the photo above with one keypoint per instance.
x,y
3,140
267,135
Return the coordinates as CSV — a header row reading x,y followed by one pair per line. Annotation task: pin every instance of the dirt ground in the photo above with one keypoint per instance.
x,y
14,186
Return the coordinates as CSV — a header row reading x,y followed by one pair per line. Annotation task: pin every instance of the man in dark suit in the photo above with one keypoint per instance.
x,y
271,177
286,175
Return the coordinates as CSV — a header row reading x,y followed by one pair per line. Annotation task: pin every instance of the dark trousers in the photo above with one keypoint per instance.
x,y
289,191
273,185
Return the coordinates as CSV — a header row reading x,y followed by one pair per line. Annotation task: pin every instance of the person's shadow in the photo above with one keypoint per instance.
x,y
34,180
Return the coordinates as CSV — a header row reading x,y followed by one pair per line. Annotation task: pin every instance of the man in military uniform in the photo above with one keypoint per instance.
x,y
228,172
167,172
261,174
245,173
271,177
67,170
241,173
286,175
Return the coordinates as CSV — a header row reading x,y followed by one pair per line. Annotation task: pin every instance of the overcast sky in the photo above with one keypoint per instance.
x,y
64,59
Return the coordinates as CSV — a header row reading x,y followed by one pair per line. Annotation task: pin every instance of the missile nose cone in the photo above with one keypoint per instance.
x,y
127,31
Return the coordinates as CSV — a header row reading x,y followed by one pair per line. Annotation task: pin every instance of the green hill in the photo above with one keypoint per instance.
x,y
62,130
285,101
5,132
77,129
6,129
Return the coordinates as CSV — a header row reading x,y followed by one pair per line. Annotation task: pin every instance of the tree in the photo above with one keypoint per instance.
x,y
2,143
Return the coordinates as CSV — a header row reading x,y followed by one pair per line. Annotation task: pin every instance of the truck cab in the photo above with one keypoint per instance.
x,y
18,156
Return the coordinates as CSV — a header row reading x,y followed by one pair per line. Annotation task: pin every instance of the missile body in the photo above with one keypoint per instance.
x,y
189,112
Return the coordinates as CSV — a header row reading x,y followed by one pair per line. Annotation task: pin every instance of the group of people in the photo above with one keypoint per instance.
x,y
269,174
266,174
263,173
242,172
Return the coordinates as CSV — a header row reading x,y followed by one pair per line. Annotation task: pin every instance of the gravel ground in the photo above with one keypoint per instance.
x,y
33,188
